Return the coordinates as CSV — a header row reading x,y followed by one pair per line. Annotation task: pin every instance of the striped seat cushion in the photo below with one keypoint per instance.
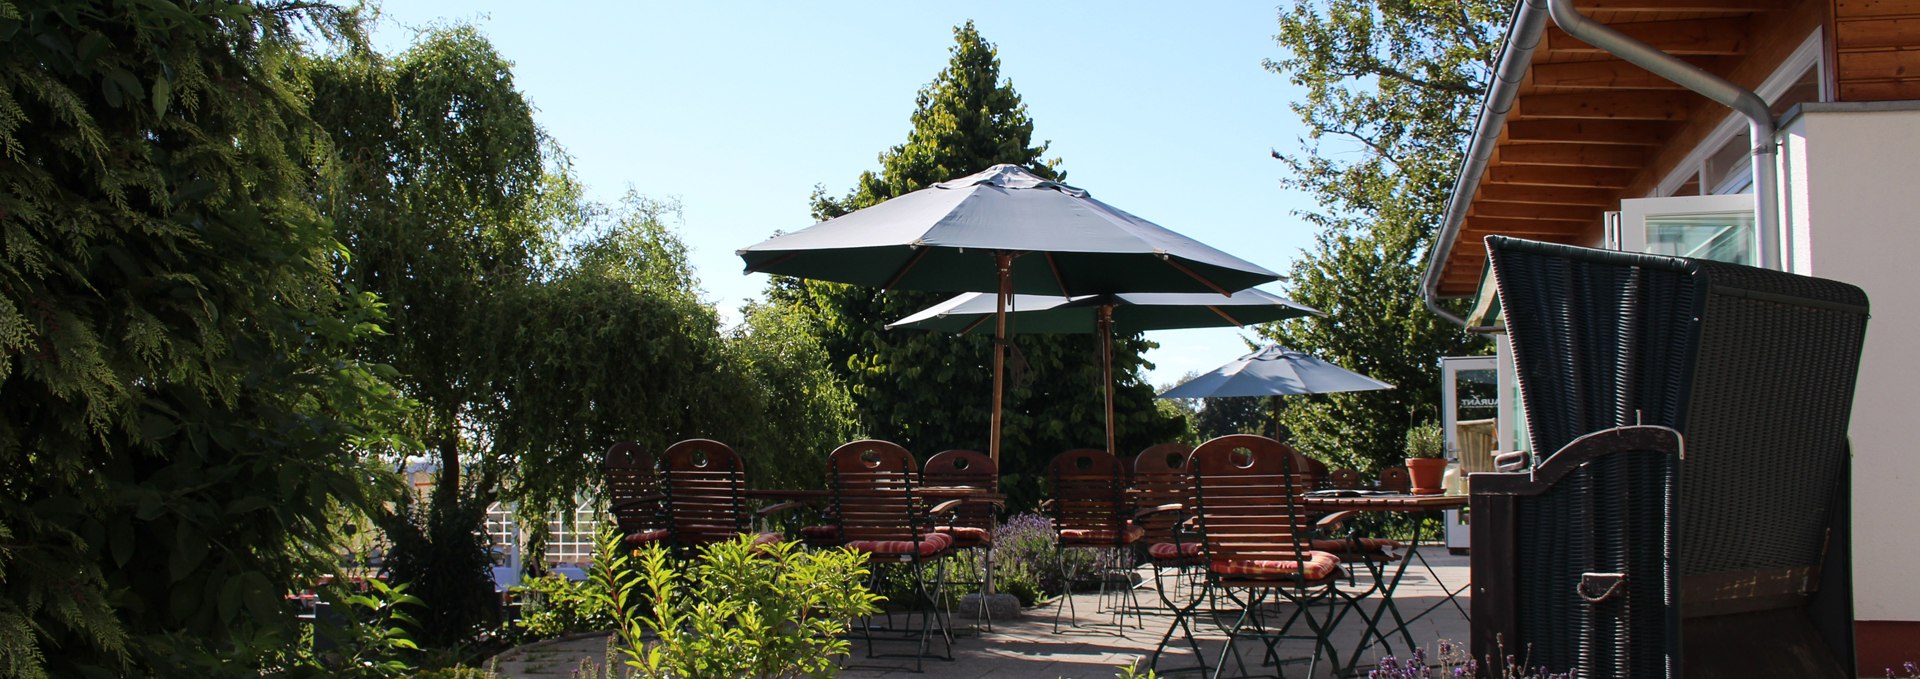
x,y
966,536
646,536
1167,551
1368,546
1131,535
1319,565
927,545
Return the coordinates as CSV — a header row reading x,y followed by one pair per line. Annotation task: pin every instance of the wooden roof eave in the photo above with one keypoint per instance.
x,y
1567,129
1524,35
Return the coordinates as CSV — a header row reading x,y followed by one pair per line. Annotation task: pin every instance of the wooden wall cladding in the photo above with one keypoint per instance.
x,y
1877,49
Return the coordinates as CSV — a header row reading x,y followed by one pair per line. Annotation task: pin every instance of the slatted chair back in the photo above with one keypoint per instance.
x,y
1319,477
1395,479
875,492
1160,478
1247,499
704,481
1344,479
965,468
633,488
1089,497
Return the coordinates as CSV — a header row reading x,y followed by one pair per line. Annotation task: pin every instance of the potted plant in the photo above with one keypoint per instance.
x,y
1426,462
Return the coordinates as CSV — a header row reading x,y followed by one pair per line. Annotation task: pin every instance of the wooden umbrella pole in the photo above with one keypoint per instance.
x,y
1276,417
1106,359
1004,260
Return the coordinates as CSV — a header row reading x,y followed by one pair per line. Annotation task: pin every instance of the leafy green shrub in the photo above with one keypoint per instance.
x,y
554,606
367,638
735,610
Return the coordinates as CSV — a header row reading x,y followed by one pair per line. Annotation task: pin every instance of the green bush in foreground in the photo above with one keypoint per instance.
x,y
735,610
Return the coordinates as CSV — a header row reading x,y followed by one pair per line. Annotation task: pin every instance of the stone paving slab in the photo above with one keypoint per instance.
x,y
1028,647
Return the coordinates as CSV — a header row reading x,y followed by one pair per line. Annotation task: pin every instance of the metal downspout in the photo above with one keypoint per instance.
x,y
1760,127
1528,23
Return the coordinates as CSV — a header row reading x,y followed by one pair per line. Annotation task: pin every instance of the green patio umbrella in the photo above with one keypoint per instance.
x,y
1005,230
1104,314
1274,371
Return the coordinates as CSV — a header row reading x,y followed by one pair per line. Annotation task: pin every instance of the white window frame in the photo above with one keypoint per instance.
x,y
1634,213
1807,55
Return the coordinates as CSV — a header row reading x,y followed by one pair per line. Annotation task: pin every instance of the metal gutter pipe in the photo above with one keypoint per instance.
x,y
1760,126
1529,21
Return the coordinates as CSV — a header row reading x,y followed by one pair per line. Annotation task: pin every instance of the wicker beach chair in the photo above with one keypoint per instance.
x,y
1613,552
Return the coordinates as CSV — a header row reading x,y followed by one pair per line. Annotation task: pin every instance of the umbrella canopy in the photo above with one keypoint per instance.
x,y
1064,243
1132,312
1127,312
1007,230
1274,370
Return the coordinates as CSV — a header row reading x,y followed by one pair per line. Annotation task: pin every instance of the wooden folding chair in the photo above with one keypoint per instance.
x,y
633,494
704,483
1091,510
880,513
1256,541
971,524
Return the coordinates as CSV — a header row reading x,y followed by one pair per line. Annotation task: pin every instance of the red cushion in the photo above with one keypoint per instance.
x,y
764,539
1368,546
1319,565
927,545
1165,551
1103,535
966,536
646,536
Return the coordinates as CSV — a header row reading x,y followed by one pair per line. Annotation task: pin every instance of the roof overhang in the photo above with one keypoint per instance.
x,y
1567,130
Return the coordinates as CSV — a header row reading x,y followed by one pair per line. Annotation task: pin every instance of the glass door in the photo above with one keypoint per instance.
x,y
1469,414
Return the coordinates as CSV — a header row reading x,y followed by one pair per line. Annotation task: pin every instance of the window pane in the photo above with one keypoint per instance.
x,y
1725,237
1735,157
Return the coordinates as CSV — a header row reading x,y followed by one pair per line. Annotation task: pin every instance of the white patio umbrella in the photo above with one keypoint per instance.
x,y
1126,313
1274,371
1005,230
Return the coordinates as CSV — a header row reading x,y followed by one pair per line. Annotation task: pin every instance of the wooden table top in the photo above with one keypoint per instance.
x,y
1386,503
957,492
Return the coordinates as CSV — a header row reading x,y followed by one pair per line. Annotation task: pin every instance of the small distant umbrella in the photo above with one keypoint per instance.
x,y
1274,371
1105,314
1008,230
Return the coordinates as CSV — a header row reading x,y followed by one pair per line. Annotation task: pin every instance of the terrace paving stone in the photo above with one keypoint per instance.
x,y
1027,646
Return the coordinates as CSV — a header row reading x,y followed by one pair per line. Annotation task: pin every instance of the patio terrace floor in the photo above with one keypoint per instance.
x,y
1027,646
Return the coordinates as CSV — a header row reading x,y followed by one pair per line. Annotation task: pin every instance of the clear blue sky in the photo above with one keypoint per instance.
x,y
738,109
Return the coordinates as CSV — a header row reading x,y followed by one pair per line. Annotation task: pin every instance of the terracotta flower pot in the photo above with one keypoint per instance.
x,y
1426,473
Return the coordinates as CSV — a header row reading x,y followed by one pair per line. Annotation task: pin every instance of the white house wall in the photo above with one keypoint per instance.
x,y
1852,213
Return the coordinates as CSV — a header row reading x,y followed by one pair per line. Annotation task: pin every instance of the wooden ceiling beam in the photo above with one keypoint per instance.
x,y
1684,5
1620,132
1547,195
1573,155
1683,37
1564,213
1573,177
1520,227
1611,105
1612,74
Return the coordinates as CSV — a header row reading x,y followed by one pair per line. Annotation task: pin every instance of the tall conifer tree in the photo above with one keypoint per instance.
x,y
930,391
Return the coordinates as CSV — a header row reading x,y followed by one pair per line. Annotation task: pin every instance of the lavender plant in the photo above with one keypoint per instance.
x,y
1453,661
